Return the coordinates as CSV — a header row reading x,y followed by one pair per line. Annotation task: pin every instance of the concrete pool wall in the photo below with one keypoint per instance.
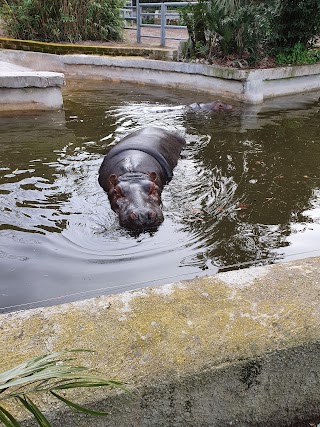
x,y
31,91
21,88
241,348
248,86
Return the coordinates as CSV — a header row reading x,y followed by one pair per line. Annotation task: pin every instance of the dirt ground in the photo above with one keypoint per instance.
x,y
171,33
150,38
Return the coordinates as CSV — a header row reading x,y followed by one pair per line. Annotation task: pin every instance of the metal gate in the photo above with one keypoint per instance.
x,y
160,16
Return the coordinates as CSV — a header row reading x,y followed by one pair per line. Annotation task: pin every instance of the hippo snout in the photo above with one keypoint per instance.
x,y
141,219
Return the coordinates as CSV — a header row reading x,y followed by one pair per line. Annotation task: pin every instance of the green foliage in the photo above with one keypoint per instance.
x,y
253,29
62,20
230,27
298,55
220,25
296,22
194,17
46,374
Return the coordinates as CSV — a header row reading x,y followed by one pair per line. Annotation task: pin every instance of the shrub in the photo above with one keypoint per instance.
x,y
62,20
296,22
234,27
253,29
194,17
298,55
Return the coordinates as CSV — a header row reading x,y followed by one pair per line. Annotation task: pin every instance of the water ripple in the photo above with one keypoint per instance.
x,y
245,190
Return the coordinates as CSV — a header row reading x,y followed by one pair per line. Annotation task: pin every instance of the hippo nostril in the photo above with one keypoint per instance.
x,y
152,214
133,216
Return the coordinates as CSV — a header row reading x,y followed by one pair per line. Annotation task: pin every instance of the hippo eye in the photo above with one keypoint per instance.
x,y
133,216
152,214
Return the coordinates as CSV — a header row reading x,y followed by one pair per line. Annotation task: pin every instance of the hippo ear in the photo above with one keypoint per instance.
x,y
153,189
153,176
113,180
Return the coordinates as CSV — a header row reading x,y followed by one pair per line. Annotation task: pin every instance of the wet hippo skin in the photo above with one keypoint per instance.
x,y
210,106
134,172
205,107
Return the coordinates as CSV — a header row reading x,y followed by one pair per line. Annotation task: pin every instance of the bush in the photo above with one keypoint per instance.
x,y
62,20
194,17
296,22
238,27
243,30
298,55
253,29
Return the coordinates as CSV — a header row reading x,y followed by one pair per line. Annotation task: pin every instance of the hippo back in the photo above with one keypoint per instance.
x,y
157,142
162,146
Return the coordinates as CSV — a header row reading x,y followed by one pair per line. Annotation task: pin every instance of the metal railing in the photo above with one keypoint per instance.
x,y
136,14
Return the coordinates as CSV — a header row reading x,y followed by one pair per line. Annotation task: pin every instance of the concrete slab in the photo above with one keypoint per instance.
x,y
24,89
24,79
241,348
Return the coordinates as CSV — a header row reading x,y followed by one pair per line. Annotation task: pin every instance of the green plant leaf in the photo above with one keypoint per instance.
x,y
35,411
78,407
41,368
35,365
88,382
47,373
8,419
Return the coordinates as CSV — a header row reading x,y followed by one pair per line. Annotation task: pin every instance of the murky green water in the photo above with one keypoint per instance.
x,y
246,191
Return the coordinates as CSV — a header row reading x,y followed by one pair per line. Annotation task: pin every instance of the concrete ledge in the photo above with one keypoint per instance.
x,y
25,90
240,348
250,86
63,48
23,79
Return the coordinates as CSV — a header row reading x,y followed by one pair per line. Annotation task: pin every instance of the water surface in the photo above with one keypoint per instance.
x,y
245,191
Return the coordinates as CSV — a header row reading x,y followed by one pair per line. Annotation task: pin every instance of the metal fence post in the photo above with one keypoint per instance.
x,y
138,21
163,24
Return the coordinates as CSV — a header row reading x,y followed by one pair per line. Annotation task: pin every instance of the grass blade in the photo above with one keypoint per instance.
x,y
35,411
87,382
54,372
30,366
7,419
38,364
78,407
44,374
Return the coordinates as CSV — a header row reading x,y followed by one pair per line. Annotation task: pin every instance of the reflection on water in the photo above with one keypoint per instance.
x,y
246,190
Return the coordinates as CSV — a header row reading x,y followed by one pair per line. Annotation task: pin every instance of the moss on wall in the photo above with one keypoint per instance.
x,y
64,49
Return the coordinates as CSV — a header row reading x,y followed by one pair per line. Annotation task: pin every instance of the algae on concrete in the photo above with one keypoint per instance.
x,y
249,328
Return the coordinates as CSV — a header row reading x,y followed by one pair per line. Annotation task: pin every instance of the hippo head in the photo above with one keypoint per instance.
x,y
219,105
135,197
211,106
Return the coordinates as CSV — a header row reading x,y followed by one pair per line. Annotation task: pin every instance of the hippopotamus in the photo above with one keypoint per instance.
x,y
134,173
210,106
197,107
